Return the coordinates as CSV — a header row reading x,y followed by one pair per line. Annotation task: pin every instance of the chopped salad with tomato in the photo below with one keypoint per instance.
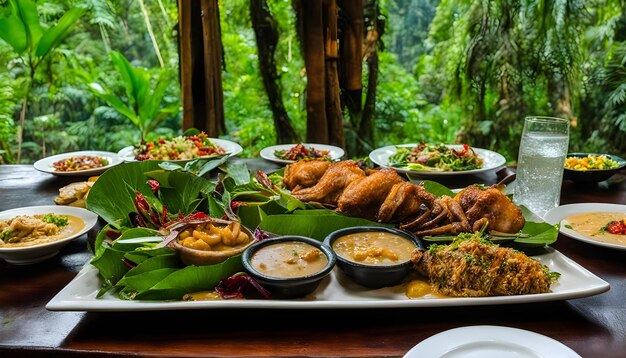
x,y
300,152
436,158
179,148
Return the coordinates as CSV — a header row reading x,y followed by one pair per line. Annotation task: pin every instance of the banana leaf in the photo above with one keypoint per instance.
x,y
316,224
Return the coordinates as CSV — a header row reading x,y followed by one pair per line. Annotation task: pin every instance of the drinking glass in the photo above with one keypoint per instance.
x,y
540,162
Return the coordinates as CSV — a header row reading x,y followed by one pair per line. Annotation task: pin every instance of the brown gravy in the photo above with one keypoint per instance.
x,y
289,259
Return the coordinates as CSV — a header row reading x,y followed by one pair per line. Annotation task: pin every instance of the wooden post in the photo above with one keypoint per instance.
x,y
310,13
200,66
333,103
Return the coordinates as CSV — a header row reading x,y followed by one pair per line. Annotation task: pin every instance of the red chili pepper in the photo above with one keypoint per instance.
x,y
154,185
161,141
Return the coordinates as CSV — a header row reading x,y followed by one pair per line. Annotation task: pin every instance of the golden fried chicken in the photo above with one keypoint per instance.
x,y
304,173
481,205
364,196
404,201
332,184
472,266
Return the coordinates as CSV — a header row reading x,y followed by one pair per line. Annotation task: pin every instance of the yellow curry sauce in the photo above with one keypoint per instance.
x,y
374,248
28,230
289,259
591,225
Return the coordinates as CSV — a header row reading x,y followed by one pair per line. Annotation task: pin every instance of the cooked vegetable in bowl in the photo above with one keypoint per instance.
x,y
591,167
81,162
209,241
428,157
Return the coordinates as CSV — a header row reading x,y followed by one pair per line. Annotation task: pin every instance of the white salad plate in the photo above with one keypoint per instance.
x,y
267,153
232,149
336,292
45,164
558,215
32,254
490,342
491,161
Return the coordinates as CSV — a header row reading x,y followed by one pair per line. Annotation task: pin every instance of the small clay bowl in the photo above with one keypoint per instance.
x,y
374,275
198,257
289,287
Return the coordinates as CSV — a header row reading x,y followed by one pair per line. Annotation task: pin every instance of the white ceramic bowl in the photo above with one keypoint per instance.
x,y
36,253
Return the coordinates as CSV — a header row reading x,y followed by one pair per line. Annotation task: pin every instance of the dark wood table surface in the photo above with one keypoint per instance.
x,y
592,326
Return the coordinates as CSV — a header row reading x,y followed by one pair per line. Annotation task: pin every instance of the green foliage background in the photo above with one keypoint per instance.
x,y
450,70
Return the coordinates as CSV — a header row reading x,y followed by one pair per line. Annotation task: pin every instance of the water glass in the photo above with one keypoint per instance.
x,y
540,162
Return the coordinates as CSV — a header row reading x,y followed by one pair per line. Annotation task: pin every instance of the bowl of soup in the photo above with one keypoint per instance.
x,y
289,266
374,257
210,241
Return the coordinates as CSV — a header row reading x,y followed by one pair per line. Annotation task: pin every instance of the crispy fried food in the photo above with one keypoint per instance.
x,y
404,201
332,184
74,194
471,266
364,196
304,173
490,205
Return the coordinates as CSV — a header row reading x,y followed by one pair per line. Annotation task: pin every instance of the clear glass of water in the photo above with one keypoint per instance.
x,y
540,162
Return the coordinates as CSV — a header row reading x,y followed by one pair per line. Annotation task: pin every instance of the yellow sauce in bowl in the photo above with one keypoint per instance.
x,y
374,248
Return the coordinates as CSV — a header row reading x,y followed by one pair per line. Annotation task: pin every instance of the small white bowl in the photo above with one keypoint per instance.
x,y
36,253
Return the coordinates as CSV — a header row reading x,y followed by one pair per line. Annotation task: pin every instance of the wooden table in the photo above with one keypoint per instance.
x,y
593,326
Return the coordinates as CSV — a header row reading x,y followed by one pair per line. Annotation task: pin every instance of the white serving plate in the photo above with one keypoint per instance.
x,y
336,292
491,161
232,149
556,216
32,254
267,153
45,164
490,342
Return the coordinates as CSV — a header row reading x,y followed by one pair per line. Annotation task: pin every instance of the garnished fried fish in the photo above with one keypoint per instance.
x,y
472,266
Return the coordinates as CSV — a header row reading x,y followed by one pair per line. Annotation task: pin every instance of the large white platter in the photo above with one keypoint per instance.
x,y
491,161
36,253
558,214
336,291
490,342
267,153
45,164
231,148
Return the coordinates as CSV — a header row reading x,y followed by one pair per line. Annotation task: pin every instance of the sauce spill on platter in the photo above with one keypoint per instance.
x,y
593,225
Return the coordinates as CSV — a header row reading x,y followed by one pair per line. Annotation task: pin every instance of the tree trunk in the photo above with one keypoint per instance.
x,y
365,129
265,29
310,13
333,103
200,63
351,47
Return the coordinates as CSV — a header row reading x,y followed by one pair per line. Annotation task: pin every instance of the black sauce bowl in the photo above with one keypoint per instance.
x,y
592,175
373,276
290,287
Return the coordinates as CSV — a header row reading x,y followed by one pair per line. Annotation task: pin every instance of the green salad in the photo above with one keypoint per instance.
x,y
436,158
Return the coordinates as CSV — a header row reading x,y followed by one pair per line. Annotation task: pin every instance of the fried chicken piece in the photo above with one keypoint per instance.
x,y
492,205
404,201
364,196
332,183
474,267
304,173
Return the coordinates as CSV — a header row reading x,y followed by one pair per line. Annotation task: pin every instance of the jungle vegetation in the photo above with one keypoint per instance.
x,y
446,71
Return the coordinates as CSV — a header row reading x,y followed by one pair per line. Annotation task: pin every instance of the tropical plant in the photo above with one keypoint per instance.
x,y
22,29
144,93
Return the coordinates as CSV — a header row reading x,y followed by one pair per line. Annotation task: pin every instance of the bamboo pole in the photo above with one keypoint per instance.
x,y
333,102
